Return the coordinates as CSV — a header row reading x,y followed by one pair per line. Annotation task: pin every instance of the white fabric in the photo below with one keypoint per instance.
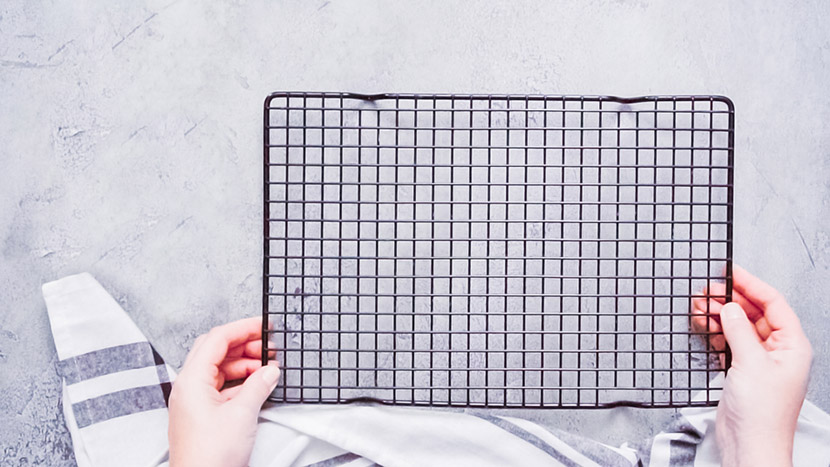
x,y
405,437
86,319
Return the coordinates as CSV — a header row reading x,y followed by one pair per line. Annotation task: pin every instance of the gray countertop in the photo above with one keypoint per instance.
x,y
131,147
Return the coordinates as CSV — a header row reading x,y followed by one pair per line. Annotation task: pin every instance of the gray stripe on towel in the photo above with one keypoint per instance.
x,y
105,361
682,452
336,460
529,437
118,404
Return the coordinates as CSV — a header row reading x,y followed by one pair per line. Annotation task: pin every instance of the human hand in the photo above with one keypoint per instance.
x,y
214,426
767,382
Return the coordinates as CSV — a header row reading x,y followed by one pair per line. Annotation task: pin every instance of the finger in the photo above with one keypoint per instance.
x,y
703,321
761,324
778,313
718,293
706,319
706,305
220,339
239,368
252,349
257,388
272,352
739,333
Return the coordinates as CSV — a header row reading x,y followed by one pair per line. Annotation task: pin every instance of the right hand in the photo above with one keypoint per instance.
x,y
767,382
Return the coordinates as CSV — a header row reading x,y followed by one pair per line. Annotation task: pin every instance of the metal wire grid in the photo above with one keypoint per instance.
x,y
494,251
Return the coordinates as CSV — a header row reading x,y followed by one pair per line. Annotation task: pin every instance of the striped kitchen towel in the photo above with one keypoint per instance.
x,y
115,384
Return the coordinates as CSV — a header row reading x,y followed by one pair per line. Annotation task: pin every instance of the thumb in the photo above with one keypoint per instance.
x,y
739,331
257,387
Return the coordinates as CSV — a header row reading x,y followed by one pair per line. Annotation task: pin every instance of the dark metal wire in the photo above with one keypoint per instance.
x,y
494,250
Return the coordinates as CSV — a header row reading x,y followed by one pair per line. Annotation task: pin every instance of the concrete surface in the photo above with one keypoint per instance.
x,y
131,147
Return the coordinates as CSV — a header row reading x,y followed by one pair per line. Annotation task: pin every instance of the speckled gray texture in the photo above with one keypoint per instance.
x,y
131,147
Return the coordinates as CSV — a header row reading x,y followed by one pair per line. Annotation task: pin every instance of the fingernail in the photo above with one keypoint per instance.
x,y
271,374
731,311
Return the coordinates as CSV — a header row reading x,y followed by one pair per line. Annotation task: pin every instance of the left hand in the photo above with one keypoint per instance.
x,y
214,426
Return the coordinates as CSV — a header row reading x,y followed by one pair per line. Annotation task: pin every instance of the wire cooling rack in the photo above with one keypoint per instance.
x,y
494,251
